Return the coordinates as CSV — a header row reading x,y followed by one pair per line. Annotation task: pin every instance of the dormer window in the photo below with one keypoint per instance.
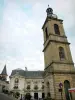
x,y
16,80
46,32
28,87
56,29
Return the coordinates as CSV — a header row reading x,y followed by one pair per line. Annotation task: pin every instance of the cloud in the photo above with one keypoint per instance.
x,y
21,36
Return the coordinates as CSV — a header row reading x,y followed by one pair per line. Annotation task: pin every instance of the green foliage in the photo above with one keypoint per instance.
x,y
17,94
28,96
11,92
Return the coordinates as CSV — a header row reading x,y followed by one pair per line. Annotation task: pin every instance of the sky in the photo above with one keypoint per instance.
x,y
21,36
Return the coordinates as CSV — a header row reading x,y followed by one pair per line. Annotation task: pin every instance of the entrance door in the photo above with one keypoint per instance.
x,y
43,95
36,96
66,87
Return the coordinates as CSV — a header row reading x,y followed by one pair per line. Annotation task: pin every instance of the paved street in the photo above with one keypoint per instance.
x,y
5,97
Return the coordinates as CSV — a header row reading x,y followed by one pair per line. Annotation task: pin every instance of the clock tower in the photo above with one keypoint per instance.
x,y
59,72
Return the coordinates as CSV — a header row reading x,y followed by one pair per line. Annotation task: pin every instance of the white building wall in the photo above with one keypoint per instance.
x,y
39,94
3,83
32,84
20,84
23,85
32,94
11,85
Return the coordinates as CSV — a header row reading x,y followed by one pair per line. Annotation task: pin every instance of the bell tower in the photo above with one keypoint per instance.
x,y
59,66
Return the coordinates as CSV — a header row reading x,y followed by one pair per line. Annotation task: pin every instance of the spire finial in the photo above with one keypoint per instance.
x,y
4,71
49,11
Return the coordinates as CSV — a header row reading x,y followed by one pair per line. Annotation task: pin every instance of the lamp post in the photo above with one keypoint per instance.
x,y
60,89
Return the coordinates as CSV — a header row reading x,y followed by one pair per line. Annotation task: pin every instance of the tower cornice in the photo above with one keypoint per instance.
x,y
55,35
55,42
49,18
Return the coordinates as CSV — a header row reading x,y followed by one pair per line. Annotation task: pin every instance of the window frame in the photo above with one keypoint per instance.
x,y
56,29
61,53
16,80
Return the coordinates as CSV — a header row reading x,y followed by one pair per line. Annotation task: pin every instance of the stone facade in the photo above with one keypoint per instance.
x,y
59,66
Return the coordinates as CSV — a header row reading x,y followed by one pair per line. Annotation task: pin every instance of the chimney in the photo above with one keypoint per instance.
x,y
26,69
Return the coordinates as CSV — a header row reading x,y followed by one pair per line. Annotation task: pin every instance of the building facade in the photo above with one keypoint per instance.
x,y
4,84
27,82
59,72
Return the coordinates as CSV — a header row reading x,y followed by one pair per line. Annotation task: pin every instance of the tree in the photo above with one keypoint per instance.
x,y
17,94
28,96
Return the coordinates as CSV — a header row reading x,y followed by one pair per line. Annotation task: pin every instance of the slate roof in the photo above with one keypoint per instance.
x,y
4,71
34,74
27,74
16,71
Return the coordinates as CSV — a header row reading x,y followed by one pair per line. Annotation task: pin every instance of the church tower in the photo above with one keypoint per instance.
x,y
3,75
59,67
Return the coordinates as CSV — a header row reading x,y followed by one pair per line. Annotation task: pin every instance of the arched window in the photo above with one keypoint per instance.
x,y
48,84
61,53
46,32
16,80
56,28
28,87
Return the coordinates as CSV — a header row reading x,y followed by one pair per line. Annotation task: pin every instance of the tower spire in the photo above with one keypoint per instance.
x,y
4,71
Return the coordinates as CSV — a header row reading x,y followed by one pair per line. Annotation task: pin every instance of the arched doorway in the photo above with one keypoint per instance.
x,y
66,87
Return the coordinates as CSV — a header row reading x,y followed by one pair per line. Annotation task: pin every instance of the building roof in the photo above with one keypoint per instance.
x,y
34,74
4,71
18,71
27,74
